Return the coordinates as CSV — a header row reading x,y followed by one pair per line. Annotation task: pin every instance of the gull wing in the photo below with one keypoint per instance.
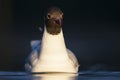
x,y
73,58
34,55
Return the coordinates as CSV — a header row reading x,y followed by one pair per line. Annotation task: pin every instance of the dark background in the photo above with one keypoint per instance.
x,y
91,30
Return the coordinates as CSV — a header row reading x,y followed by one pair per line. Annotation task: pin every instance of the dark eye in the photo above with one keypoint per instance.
x,y
48,16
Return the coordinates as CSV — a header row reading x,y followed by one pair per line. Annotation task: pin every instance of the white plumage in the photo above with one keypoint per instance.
x,y
51,55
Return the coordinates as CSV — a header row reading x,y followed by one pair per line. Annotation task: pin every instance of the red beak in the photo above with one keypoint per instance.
x,y
58,21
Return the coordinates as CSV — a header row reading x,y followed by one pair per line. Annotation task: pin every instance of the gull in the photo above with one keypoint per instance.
x,y
50,54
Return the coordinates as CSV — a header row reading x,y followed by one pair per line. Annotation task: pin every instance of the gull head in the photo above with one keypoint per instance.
x,y
53,20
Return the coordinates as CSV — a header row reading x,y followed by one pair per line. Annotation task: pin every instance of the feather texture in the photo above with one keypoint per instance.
x,y
51,54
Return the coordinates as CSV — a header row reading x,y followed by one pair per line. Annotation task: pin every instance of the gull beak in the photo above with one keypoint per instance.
x,y
58,21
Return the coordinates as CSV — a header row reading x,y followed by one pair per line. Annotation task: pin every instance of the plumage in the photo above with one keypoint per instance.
x,y
51,54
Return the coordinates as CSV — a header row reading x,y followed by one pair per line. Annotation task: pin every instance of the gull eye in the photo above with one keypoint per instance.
x,y
61,16
48,16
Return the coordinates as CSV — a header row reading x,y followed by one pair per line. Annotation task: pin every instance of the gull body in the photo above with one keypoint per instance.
x,y
51,54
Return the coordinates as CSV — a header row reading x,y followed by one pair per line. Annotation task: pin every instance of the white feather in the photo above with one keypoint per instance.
x,y
53,55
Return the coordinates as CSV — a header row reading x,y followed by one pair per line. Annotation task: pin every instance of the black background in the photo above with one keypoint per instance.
x,y
91,30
